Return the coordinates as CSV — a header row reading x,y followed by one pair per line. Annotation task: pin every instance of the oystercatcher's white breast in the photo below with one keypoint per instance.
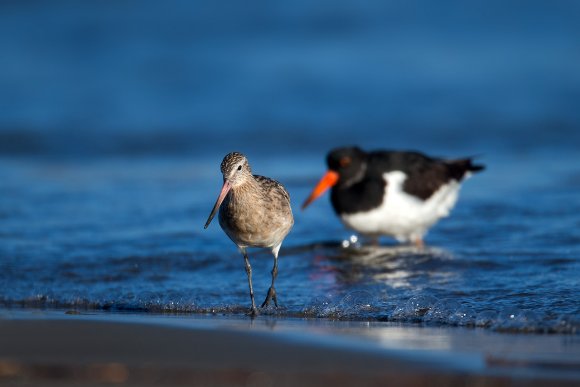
x,y
401,215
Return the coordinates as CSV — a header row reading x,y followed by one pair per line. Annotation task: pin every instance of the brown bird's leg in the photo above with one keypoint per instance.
x,y
272,291
254,311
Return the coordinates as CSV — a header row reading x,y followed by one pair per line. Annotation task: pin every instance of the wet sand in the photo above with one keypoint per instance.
x,y
61,349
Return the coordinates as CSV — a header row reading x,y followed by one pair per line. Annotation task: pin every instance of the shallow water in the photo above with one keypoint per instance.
x,y
114,130
128,236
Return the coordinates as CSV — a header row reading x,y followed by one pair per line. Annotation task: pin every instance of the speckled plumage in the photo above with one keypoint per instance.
x,y
254,211
257,213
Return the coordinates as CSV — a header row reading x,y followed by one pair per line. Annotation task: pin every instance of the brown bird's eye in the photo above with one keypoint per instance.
x,y
344,162
239,167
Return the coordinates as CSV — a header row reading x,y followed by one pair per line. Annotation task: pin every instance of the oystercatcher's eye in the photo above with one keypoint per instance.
x,y
344,162
239,167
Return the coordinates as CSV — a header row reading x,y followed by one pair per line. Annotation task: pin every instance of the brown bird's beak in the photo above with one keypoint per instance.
x,y
328,180
225,189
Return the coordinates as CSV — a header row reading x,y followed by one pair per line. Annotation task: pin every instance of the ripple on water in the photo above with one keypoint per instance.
x,y
503,266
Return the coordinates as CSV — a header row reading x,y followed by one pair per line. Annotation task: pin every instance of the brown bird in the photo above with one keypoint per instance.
x,y
254,211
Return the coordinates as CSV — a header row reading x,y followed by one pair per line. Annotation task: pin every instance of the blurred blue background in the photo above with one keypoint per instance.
x,y
180,77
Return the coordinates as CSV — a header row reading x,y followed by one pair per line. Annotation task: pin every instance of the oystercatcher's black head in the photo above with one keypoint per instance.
x,y
349,163
345,166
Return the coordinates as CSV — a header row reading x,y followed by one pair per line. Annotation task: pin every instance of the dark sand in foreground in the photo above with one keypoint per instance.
x,y
58,349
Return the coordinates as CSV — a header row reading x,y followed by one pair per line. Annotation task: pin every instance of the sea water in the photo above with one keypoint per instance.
x,y
114,120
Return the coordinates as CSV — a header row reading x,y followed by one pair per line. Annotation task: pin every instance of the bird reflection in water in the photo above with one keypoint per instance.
x,y
396,266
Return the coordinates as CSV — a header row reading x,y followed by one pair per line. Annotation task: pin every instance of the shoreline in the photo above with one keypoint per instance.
x,y
39,348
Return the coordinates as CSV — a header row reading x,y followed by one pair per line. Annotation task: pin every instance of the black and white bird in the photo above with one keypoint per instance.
x,y
394,193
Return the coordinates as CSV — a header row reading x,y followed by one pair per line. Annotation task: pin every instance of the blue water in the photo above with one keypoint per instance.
x,y
115,118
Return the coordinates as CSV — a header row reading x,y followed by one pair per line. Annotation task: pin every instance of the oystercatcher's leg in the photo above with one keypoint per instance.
x,y
419,243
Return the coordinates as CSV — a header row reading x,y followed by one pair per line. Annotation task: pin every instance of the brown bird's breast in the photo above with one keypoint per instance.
x,y
259,216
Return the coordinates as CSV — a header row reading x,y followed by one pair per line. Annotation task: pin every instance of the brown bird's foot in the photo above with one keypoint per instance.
x,y
253,312
270,296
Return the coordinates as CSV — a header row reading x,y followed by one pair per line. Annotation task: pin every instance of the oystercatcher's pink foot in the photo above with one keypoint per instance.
x,y
419,244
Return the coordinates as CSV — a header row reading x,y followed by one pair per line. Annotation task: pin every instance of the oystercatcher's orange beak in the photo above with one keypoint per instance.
x,y
327,181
